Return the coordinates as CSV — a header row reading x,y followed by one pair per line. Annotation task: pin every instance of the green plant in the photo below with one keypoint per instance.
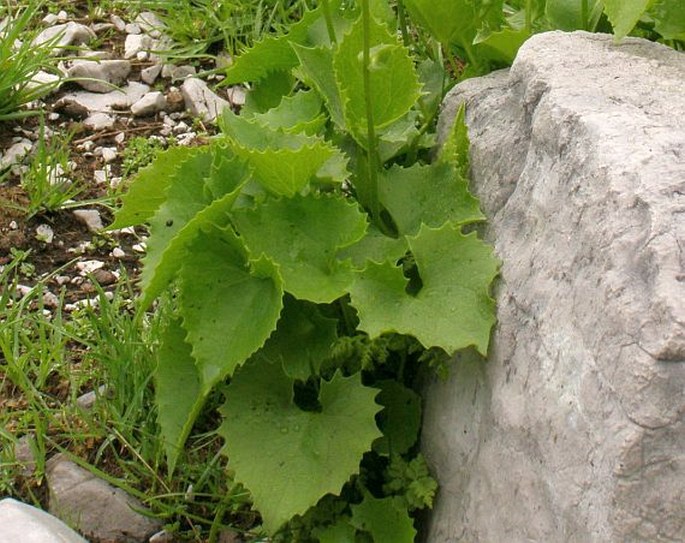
x,y
139,152
46,182
317,265
21,60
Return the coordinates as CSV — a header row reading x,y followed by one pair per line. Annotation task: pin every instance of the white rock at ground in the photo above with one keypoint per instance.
x,y
20,522
44,81
178,73
201,101
109,154
90,217
150,23
15,153
150,74
84,103
118,22
99,76
135,43
151,103
99,121
44,233
574,429
70,33
98,510
236,95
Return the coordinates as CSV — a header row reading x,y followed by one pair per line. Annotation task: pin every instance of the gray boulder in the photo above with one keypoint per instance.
x,y
573,430
98,510
23,523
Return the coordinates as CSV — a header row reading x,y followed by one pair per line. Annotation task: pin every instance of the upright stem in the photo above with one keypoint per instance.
x,y
402,17
584,15
529,16
329,21
372,151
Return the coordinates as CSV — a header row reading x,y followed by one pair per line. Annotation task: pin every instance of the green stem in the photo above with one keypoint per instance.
x,y
402,18
371,149
329,21
529,16
584,15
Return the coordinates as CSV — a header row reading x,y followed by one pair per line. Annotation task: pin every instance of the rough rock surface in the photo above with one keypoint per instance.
x,y
100,76
201,101
98,510
574,429
21,522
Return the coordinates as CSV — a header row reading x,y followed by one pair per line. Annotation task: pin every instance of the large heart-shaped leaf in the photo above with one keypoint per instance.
x,y
452,310
289,458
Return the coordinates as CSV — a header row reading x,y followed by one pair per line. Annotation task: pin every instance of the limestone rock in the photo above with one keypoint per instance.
x,y
84,103
99,121
574,429
22,522
136,43
151,103
15,153
201,101
98,510
100,76
61,36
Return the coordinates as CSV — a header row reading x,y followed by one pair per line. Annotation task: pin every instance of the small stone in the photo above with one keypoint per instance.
x,y
23,290
50,19
133,28
62,16
87,400
139,247
118,22
149,104
99,76
100,176
44,233
98,510
70,33
109,154
53,116
90,217
88,266
181,127
142,56
50,299
178,73
150,23
13,225
23,455
101,27
236,96
99,121
162,537
135,43
120,138
62,279
15,153
150,74
201,101
118,252
104,277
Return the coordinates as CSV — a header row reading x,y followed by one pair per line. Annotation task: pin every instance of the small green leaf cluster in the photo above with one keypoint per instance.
x,y
317,261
